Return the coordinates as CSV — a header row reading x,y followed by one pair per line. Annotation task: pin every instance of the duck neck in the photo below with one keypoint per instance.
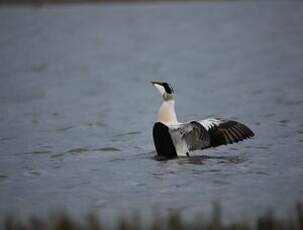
x,y
167,114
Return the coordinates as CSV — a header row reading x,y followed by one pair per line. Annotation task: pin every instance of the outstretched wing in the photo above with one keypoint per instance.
x,y
189,136
207,133
224,132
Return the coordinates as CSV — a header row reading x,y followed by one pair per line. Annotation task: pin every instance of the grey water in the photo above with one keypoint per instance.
x,y
77,109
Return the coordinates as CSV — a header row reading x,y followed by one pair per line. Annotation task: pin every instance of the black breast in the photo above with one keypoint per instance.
x,y
163,142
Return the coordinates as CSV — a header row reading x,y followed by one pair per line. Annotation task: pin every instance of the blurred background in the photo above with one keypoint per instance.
x,y
39,2
77,108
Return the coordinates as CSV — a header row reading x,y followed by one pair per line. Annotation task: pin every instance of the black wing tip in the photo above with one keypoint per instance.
x,y
230,133
248,131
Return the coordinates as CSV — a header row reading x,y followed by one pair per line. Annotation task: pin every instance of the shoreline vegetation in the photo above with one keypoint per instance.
x,y
47,2
173,221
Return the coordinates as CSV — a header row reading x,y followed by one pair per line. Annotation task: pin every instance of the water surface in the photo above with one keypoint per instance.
x,y
77,108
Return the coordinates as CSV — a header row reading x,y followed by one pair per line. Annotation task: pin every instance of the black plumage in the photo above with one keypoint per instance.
x,y
163,142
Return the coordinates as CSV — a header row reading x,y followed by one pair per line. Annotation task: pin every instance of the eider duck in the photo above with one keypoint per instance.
x,y
173,139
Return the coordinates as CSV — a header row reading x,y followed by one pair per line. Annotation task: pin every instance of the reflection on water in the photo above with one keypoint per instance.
x,y
76,113
203,159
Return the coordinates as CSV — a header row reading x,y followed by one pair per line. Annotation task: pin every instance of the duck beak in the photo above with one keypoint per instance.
x,y
156,82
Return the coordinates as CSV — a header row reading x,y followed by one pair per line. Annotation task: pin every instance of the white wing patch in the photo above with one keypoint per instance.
x,y
211,123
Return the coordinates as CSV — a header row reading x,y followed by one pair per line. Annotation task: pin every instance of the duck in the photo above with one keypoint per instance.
x,y
174,139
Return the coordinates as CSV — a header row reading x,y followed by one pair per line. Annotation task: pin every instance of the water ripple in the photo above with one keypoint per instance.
x,y
82,150
37,152
127,134
7,138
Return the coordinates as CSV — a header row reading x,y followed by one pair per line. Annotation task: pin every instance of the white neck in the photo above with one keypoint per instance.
x,y
167,114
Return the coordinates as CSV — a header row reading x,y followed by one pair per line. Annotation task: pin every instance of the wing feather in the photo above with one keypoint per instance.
x,y
230,139
234,136
236,132
224,132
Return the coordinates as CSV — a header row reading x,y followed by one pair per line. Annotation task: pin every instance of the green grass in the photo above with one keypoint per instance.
x,y
173,221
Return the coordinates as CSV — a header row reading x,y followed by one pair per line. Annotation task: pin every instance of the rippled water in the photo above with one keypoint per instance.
x,y
77,108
